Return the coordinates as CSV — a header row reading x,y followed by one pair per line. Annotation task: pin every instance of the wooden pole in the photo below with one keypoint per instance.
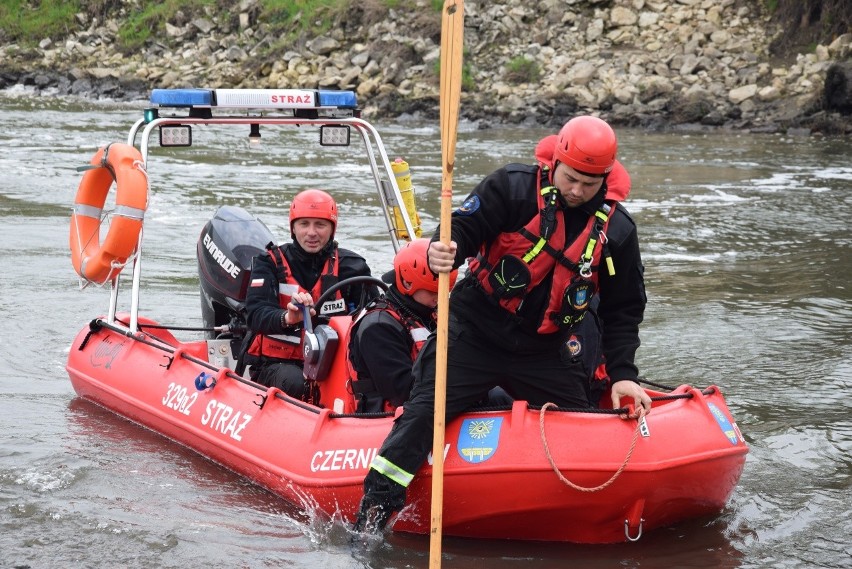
x,y
452,45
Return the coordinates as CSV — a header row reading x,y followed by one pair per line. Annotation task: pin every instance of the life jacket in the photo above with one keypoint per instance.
x,y
509,268
287,346
368,399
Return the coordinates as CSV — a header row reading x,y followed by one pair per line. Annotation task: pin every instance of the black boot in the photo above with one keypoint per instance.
x,y
372,516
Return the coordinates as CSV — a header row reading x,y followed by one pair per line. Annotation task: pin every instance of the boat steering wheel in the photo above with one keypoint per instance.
x,y
362,302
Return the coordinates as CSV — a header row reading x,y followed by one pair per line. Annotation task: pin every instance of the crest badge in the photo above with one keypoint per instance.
x,y
724,424
574,346
469,207
479,438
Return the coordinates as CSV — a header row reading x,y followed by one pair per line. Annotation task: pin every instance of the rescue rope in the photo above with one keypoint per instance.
x,y
556,468
173,351
115,265
182,328
157,343
653,384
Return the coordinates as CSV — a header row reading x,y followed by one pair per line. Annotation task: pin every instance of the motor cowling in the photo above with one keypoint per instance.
x,y
225,249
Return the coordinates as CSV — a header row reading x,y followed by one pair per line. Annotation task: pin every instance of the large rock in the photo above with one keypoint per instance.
x,y
837,94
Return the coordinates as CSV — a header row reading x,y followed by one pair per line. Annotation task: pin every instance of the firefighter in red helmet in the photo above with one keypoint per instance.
x,y
544,244
294,274
399,322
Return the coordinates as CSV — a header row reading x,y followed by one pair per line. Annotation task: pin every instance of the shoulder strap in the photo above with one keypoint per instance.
x,y
277,256
330,276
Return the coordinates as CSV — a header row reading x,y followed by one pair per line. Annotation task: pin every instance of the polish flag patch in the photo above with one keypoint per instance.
x,y
256,282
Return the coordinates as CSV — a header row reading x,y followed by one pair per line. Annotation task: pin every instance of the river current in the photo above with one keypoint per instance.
x,y
747,246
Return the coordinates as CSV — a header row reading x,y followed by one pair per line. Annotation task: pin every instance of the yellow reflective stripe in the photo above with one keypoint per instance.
x,y
590,248
383,466
533,253
547,190
601,215
610,267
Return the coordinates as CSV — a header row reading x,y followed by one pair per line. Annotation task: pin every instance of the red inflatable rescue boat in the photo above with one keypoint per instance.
x,y
510,473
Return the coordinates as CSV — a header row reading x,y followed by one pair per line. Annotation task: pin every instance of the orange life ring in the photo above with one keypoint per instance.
x,y
95,261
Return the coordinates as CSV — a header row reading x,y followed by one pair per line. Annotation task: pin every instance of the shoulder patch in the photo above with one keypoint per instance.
x,y
469,207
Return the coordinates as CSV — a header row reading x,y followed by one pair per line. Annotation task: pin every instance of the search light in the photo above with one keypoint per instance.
x,y
176,135
254,134
334,135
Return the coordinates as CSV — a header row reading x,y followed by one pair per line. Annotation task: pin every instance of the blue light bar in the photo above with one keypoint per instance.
x,y
281,99
338,99
182,97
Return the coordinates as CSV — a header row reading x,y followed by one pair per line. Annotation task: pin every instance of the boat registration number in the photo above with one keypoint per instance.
x,y
178,398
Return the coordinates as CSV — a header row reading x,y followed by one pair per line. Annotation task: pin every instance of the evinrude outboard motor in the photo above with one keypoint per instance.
x,y
225,249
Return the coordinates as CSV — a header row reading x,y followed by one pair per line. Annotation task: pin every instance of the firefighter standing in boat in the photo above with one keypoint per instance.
x,y
543,242
298,273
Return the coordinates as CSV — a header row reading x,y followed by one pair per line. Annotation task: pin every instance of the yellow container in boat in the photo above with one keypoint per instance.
x,y
403,180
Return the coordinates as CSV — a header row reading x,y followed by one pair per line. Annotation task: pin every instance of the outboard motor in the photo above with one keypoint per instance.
x,y
225,250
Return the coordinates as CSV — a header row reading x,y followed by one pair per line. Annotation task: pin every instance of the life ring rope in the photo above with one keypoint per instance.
x,y
95,261
115,265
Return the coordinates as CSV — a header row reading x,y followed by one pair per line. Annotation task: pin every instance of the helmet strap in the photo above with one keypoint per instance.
x,y
397,299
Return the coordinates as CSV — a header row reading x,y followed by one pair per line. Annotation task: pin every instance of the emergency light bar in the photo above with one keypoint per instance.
x,y
305,104
279,99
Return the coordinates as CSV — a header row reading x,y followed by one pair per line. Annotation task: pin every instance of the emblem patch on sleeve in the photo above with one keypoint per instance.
x,y
469,207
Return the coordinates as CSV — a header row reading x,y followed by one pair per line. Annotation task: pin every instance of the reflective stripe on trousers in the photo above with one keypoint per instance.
x,y
385,467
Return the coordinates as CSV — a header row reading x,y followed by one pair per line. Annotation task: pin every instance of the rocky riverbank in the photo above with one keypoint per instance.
x,y
681,64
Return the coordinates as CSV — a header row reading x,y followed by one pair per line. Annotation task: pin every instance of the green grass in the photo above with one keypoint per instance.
x,y
151,20
522,70
311,14
284,17
27,22
30,22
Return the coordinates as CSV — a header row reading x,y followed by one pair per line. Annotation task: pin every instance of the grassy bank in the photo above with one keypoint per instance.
x,y
29,22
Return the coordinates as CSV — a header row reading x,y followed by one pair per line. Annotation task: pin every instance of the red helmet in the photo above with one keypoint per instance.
x,y
412,269
313,203
586,144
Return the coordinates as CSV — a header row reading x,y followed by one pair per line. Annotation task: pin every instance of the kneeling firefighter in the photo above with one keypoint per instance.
x,y
386,338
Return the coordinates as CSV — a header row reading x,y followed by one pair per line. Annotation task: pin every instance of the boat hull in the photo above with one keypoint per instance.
x,y
498,480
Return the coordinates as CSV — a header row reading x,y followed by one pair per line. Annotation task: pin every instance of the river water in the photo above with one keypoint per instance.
x,y
746,241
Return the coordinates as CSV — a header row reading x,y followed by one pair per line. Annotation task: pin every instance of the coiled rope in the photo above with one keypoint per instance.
x,y
559,474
